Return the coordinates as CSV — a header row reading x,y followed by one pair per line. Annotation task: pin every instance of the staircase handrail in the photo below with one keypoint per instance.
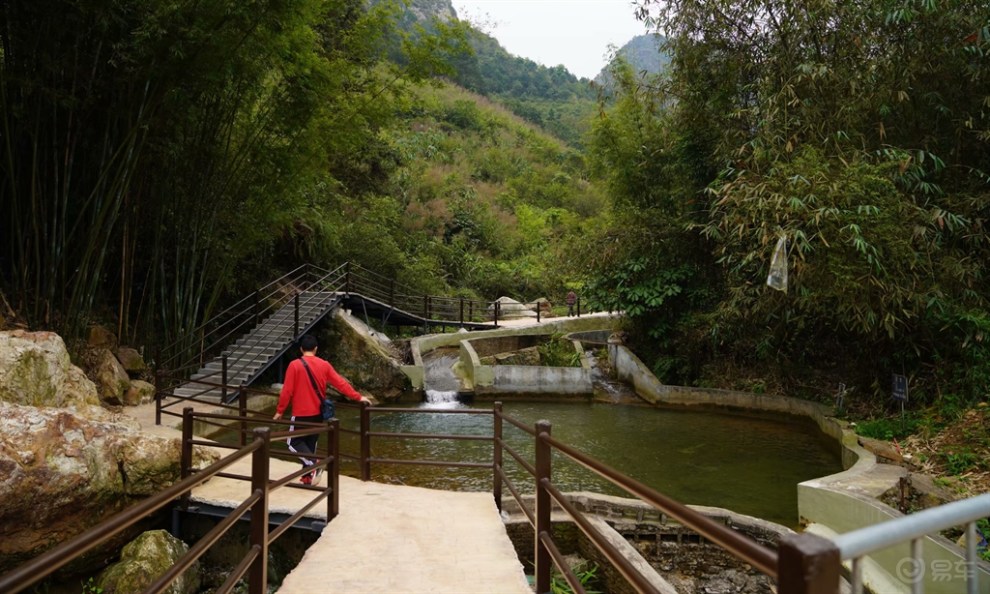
x,y
244,312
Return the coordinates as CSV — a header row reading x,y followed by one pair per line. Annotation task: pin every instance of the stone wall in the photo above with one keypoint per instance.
x,y
829,505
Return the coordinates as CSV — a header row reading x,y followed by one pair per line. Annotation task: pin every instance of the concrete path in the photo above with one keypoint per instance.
x,y
398,539
387,538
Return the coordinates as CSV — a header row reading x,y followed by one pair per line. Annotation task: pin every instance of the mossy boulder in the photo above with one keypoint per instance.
x,y
35,370
146,559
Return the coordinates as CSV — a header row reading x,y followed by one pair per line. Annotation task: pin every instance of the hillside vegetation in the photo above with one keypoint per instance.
x,y
159,160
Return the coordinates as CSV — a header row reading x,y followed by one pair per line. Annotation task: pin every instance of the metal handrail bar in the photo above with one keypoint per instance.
x,y
520,425
291,520
452,436
55,558
518,496
238,572
747,550
275,333
518,458
274,285
252,312
611,553
203,544
427,411
205,323
562,564
431,463
916,525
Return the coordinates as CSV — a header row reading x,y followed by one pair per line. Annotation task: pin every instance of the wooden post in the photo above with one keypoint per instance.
x,y
365,442
223,377
497,464
807,564
333,470
258,573
541,556
242,412
295,327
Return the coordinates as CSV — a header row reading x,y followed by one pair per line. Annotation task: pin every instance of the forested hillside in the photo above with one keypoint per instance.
x,y
841,129
160,159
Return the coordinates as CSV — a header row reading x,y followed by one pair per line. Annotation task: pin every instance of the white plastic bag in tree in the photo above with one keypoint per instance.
x,y
777,279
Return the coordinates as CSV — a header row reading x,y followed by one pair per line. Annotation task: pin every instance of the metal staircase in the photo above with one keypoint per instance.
x,y
253,353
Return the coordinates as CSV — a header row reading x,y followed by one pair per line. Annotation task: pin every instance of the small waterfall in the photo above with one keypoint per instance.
x,y
441,399
439,382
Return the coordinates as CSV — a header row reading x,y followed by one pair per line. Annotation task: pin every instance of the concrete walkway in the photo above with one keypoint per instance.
x,y
390,538
386,539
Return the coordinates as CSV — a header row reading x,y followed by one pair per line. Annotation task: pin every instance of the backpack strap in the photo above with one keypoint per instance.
x,y
312,380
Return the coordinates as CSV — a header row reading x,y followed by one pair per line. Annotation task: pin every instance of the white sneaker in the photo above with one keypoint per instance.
x,y
317,475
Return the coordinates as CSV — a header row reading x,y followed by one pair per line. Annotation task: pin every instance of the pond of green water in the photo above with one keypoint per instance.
x,y
747,463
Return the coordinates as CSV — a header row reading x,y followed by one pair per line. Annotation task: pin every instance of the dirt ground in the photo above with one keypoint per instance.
x,y
958,455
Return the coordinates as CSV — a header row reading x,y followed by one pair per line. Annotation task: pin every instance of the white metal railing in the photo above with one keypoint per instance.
x,y
857,544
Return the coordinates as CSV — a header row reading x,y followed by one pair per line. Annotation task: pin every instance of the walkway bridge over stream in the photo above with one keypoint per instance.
x,y
379,538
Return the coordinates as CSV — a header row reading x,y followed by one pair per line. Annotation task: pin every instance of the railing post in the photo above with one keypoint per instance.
x,y
579,307
185,464
538,312
258,574
541,554
462,311
498,307
365,442
333,470
426,307
295,325
257,306
186,450
497,457
223,376
347,278
807,564
242,412
471,310
158,396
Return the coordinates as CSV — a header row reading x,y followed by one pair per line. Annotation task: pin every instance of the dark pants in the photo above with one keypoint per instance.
x,y
307,443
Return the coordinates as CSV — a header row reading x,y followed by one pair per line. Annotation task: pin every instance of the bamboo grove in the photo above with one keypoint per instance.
x,y
856,130
152,150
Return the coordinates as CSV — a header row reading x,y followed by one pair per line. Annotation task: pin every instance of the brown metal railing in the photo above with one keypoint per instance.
x,y
803,563
791,569
254,564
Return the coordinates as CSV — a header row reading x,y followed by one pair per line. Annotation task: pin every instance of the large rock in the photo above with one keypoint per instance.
x,y
367,359
509,309
140,392
132,361
145,560
35,370
61,473
110,377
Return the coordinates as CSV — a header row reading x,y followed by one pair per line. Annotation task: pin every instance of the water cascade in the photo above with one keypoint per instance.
x,y
440,383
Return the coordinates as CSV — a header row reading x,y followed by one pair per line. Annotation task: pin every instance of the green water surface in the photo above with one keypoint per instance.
x,y
747,463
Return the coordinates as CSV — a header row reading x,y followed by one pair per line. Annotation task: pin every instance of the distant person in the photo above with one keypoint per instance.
x,y
297,393
571,301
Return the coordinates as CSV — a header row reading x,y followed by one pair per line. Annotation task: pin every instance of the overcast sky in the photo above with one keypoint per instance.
x,y
575,33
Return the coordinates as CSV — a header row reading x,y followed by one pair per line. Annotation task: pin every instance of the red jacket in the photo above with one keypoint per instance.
x,y
297,390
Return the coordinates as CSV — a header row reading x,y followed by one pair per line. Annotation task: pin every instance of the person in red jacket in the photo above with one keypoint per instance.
x,y
297,393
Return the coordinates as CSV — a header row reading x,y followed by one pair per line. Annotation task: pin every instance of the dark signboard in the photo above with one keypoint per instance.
x,y
900,387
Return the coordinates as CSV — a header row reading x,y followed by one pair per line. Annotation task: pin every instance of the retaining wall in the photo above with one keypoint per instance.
x,y
834,504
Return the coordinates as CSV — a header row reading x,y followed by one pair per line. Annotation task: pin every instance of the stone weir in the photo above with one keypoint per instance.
x,y
674,557
485,370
